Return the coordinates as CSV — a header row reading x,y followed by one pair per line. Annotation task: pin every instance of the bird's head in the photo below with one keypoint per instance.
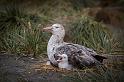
x,y
62,58
55,29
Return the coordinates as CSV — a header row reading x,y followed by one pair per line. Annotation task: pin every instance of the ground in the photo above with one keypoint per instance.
x,y
27,69
15,68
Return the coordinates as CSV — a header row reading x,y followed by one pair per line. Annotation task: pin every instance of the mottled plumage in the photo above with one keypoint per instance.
x,y
78,56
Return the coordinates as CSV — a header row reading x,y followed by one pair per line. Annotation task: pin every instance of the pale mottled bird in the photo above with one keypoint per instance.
x,y
78,56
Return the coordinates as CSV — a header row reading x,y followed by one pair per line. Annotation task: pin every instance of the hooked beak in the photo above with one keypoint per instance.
x,y
47,29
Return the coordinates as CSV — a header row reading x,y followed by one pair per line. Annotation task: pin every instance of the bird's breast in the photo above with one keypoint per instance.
x,y
51,50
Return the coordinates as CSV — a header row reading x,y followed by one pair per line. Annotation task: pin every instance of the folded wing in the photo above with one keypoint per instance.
x,y
79,56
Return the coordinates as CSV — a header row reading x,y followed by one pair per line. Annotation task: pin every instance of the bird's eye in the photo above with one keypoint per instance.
x,y
57,27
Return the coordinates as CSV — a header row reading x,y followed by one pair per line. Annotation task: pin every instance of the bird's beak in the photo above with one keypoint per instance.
x,y
58,61
47,29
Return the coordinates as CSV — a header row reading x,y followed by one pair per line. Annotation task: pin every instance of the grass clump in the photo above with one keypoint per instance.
x,y
87,32
28,40
11,17
20,32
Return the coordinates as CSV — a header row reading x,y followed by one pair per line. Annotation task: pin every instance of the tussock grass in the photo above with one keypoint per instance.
x,y
16,33
87,32
29,40
20,32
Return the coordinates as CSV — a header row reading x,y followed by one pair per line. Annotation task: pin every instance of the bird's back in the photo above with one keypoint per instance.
x,y
79,56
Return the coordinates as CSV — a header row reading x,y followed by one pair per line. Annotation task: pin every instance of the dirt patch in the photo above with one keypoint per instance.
x,y
27,69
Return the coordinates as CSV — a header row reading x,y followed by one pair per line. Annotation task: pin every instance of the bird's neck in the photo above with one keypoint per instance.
x,y
56,40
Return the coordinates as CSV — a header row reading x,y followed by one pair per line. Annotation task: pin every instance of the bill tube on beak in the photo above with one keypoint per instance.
x,y
47,29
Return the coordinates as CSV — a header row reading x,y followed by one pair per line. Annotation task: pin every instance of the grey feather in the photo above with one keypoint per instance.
x,y
79,56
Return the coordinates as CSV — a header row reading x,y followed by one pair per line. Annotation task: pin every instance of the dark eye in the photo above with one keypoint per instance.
x,y
57,27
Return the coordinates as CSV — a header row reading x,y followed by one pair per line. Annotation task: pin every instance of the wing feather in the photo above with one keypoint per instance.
x,y
79,56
